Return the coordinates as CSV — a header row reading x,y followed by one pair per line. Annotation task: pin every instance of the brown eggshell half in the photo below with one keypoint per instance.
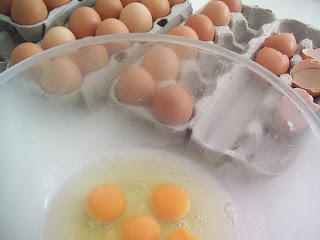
x,y
306,75
310,53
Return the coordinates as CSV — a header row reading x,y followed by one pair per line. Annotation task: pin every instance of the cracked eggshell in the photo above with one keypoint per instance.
x,y
306,75
313,54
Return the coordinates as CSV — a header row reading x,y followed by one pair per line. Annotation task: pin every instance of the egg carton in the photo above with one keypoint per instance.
x,y
93,93
56,17
226,131
96,82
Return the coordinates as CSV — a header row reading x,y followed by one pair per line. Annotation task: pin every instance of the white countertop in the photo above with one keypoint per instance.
x,y
307,11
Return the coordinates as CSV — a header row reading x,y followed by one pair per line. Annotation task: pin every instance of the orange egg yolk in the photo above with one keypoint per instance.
x,y
170,201
106,203
181,234
140,227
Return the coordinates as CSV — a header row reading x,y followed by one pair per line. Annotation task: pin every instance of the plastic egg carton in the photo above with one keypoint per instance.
x,y
96,83
57,16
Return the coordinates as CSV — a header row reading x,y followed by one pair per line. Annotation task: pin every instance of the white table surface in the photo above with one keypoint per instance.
x,y
306,11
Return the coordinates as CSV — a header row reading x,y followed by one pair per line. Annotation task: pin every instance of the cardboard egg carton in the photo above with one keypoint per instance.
x,y
230,128
56,17
94,91
96,83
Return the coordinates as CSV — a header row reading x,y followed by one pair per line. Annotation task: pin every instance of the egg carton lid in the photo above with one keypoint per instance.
x,y
34,33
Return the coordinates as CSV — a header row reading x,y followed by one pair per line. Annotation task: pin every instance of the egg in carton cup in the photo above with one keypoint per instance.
x,y
188,77
96,82
56,17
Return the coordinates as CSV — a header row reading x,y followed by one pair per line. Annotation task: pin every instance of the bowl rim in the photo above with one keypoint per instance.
x,y
312,119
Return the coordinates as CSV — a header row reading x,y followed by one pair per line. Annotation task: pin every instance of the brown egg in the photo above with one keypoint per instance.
x,y
51,4
5,7
306,75
57,36
84,22
310,53
184,52
113,26
137,18
108,8
273,60
288,117
91,58
234,5
28,12
172,105
23,51
282,42
174,2
218,12
135,87
157,8
162,63
60,77
202,25
127,2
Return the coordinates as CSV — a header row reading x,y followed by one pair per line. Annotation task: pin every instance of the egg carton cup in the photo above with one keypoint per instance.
x,y
57,16
96,82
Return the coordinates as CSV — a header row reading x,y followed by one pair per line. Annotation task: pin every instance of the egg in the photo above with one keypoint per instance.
x,y
61,76
288,117
127,2
91,58
57,36
218,12
157,8
24,51
5,7
106,203
84,22
51,4
28,12
172,105
108,8
273,60
113,26
184,52
170,201
181,234
202,25
234,5
161,62
137,18
140,227
310,53
135,87
282,42
306,75
174,2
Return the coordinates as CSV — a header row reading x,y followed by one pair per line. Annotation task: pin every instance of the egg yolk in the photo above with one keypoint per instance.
x,y
170,201
181,234
140,227
106,203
